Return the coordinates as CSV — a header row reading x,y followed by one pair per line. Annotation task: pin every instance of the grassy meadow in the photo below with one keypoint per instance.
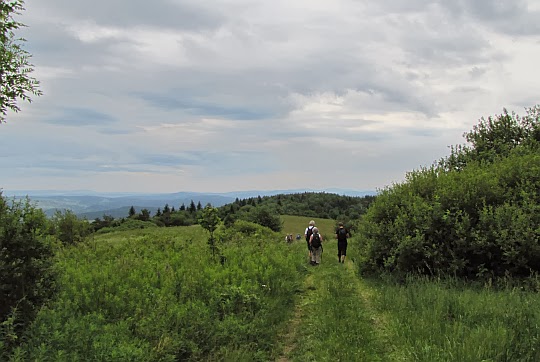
x,y
161,295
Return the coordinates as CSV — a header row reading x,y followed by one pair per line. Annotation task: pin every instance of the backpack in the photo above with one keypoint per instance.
x,y
342,234
316,242
309,232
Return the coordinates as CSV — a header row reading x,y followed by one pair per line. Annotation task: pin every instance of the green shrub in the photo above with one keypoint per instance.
x,y
244,230
265,217
68,228
476,220
26,278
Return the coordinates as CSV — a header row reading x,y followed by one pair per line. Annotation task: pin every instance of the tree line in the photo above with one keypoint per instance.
x,y
262,210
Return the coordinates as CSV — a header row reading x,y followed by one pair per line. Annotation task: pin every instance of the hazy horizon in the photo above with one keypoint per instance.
x,y
92,192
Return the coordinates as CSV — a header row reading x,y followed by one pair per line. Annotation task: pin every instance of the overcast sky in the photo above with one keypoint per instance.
x,y
227,95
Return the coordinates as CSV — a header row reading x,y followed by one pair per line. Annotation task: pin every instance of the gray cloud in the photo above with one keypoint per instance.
x,y
173,92
206,108
162,13
81,117
511,17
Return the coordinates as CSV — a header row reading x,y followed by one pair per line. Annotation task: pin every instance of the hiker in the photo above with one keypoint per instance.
x,y
315,241
341,235
307,234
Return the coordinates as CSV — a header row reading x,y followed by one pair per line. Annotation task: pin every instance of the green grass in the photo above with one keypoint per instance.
x,y
344,317
438,320
298,224
160,295
335,320
337,324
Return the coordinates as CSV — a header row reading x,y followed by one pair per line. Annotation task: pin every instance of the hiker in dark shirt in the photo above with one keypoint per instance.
x,y
341,235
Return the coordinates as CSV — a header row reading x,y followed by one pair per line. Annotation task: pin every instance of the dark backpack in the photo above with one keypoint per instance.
x,y
309,232
342,234
316,242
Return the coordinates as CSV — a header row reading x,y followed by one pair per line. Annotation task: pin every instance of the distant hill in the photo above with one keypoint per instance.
x,y
88,206
92,204
116,213
255,193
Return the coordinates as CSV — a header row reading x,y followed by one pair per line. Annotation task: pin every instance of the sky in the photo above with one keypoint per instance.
x,y
228,95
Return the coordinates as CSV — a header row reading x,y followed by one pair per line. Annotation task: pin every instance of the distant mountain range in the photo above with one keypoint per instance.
x,y
92,204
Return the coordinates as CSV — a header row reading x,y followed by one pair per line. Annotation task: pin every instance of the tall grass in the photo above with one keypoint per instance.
x,y
443,320
160,295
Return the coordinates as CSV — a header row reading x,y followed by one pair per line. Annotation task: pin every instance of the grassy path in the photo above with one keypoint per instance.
x,y
341,317
335,318
291,337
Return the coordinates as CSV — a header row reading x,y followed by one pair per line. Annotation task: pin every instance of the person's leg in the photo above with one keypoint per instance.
x,y
341,251
344,252
317,255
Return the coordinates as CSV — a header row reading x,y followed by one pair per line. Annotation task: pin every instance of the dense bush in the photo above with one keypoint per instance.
x,y
480,219
26,278
68,228
244,230
495,137
108,221
265,217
